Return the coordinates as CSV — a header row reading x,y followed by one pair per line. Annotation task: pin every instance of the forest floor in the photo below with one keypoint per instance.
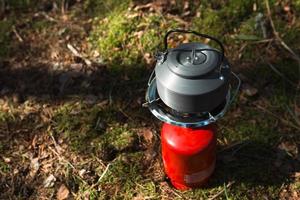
x,y
73,76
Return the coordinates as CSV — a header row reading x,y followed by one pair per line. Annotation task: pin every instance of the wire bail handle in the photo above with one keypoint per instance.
x,y
195,33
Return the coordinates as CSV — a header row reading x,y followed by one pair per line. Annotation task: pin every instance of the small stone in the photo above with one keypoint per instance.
x,y
60,141
16,171
249,90
6,159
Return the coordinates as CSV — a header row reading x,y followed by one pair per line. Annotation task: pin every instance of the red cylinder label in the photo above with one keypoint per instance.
x,y
201,175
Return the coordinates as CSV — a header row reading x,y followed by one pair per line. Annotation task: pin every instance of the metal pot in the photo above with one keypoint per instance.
x,y
192,77
192,81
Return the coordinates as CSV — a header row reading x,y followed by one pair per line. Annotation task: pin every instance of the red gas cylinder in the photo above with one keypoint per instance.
x,y
189,154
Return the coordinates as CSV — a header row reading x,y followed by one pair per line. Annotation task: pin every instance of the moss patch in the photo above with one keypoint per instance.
x,y
124,38
102,8
86,130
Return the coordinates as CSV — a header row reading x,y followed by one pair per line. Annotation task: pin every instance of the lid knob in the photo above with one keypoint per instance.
x,y
198,57
188,59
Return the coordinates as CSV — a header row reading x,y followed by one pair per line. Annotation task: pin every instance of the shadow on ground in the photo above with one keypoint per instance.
x,y
255,164
42,82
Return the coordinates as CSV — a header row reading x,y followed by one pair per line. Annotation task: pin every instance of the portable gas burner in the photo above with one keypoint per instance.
x,y
189,90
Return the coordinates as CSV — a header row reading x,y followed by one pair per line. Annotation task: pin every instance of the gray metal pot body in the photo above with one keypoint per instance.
x,y
196,94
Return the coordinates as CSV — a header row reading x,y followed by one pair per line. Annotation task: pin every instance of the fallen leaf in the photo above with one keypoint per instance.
x,y
103,103
46,168
288,147
54,54
34,166
150,154
65,18
49,181
62,192
76,66
146,133
148,58
186,5
82,172
297,175
139,197
139,34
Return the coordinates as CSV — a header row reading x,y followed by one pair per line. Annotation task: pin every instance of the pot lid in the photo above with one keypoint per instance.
x,y
192,60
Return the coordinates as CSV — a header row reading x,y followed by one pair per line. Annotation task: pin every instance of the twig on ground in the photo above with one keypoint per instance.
x,y
277,36
297,120
168,189
124,113
278,72
261,158
100,161
17,34
231,146
178,19
176,193
63,6
57,147
86,183
240,147
62,158
131,82
110,99
262,41
77,54
223,190
103,174
140,7
51,19
279,118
